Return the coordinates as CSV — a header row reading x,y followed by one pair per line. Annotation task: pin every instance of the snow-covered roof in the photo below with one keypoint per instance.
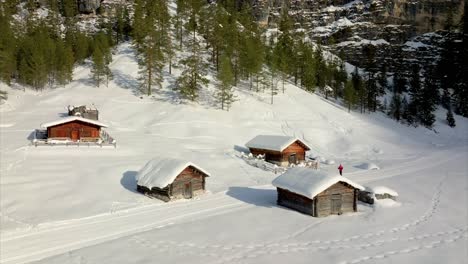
x,y
70,119
308,182
276,143
160,172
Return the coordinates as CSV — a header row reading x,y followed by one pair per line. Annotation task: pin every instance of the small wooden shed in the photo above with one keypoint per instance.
x,y
74,128
316,193
281,150
168,179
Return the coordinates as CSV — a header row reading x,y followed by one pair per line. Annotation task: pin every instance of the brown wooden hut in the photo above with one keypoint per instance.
x,y
316,193
74,128
281,150
168,179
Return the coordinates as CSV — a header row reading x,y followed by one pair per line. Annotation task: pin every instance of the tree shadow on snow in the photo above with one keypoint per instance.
x,y
257,197
126,81
128,181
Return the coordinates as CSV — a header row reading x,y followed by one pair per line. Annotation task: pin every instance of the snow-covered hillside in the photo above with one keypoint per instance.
x,y
79,204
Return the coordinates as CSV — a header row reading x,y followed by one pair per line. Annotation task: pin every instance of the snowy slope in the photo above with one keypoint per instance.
x,y
79,205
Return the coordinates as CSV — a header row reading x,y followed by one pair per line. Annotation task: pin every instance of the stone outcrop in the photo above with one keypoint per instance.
x,y
88,6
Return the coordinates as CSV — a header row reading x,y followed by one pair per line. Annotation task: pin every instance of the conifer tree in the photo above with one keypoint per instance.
x,y
224,95
349,95
308,73
450,119
359,87
7,49
69,8
382,80
63,63
153,43
192,77
428,100
273,84
320,68
282,51
182,6
395,107
415,93
98,70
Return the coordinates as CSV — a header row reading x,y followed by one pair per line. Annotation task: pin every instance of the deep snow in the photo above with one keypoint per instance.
x,y
79,204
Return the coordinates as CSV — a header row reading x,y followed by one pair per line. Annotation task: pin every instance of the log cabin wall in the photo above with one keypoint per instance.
x,y
282,158
190,176
65,130
295,201
339,193
294,148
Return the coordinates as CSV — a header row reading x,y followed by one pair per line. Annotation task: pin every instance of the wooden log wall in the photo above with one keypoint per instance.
x,y
295,201
324,200
294,148
65,130
189,175
282,157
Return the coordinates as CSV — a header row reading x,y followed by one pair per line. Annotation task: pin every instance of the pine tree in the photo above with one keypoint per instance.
x,y
182,6
34,53
192,77
308,72
349,95
359,87
273,84
450,119
282,51
63,63
428,101
98,70
7,49
399,82
414,106
224,94
69,8
320,68
395,107
153,43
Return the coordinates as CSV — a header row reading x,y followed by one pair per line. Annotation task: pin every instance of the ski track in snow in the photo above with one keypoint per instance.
x,y
49,241
45,241
246,251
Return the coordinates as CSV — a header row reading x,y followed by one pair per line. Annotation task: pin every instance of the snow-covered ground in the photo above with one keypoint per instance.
x,y
79,205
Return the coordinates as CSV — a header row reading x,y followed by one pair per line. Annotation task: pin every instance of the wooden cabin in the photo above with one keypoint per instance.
x,y
280,150
316,193
74,128
168,179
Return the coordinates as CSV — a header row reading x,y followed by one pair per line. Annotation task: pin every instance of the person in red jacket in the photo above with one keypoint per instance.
x,y
340,168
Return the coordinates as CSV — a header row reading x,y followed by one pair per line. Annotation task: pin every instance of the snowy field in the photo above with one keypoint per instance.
x,y
75,205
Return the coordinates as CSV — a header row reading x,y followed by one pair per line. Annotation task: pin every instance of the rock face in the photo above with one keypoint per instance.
x,y
88,6
396,28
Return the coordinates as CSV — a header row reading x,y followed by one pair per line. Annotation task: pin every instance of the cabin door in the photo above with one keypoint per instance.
x,y
292,159
336,204
188,190
75,135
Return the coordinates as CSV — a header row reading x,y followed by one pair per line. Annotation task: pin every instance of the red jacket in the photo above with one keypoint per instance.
x,y
340,167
